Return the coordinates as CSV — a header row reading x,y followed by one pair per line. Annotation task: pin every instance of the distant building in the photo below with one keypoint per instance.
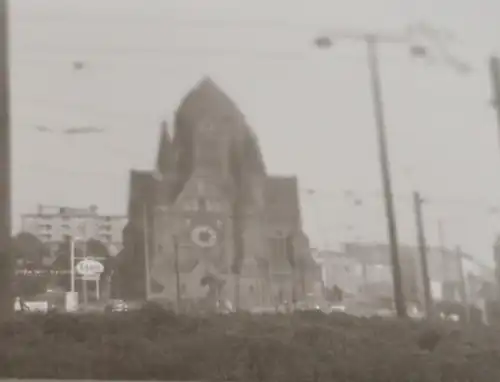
x,y
445,272
52,224
213,217
341,270
377,269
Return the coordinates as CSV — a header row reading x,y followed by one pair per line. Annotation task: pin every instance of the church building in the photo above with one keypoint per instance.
x,y
209,223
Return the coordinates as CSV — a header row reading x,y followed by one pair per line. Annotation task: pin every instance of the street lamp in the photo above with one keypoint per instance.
x,y
72,253
71,306
371,41
436,39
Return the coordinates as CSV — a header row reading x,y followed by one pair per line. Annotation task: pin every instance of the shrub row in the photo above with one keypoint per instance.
x,y
157,345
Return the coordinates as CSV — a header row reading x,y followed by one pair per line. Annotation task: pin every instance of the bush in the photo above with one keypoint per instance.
x,y
153,344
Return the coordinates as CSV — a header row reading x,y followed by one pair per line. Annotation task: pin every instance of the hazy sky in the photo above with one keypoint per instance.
x,y
311,109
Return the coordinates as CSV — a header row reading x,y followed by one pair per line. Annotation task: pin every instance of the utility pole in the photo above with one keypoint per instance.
x,y
6,261
445,264
372,41
495,87
290,254
422,246
177,274
239,250
72,249
371,44
496,254
462,282
435,40
147,266
85,283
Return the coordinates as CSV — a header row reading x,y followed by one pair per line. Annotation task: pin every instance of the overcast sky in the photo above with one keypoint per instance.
x,y
311,109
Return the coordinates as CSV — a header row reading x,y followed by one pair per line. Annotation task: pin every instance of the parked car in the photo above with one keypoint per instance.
x,y
308,306
337,308
116,305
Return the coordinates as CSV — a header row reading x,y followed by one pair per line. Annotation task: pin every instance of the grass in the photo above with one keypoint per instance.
x,y
157,345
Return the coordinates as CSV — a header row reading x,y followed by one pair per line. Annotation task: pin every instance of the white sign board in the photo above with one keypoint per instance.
x,y
89,267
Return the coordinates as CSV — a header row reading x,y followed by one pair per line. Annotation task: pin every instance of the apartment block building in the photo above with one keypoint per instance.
x,y
51,224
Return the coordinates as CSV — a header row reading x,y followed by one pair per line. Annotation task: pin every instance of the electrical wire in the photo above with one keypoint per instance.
x,y
141,52
407,197
80,107
177,22
35,168
311,193
480,208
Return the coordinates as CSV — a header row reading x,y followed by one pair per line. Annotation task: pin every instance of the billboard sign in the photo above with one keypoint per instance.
x,y
89,268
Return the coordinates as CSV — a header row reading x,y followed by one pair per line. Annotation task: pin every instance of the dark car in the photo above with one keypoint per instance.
x,y
116,306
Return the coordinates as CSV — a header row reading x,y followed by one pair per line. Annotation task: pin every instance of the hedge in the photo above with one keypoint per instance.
x,y
157,345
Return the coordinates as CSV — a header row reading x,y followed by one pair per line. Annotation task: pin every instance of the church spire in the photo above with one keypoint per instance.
x,y
164,159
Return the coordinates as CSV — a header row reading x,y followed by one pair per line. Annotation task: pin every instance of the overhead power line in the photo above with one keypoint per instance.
x,y
112,176
48,50
147,21
84,108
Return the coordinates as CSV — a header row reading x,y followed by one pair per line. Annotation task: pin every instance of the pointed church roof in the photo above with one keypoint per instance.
x,y
164,159
207,98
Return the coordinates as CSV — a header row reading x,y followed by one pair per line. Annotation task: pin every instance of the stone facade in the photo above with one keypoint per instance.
x,y
217,226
